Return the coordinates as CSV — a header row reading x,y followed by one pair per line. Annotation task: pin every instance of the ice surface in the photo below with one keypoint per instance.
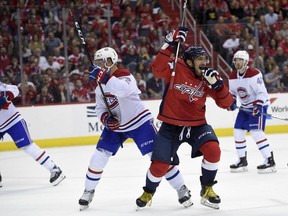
x,y
26,190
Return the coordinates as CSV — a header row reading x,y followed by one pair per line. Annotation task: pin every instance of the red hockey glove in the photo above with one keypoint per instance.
x,y
4,100
98,74
258,108
213,78
111,122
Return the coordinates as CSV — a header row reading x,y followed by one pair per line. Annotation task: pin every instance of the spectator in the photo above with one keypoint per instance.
x,y
154,87
230,45
284,79
141,84
54,65
272,80
44,97
279,57
4,60
79,94
52,42
271,18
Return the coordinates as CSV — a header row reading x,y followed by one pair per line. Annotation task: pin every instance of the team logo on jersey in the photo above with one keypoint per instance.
x,y
192,91
112,101
243,93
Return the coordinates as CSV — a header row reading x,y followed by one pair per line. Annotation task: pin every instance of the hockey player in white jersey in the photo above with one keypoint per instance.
x,y
247,86
12,123
130,119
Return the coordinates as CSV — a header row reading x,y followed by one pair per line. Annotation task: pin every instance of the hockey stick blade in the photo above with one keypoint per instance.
x,y
265,114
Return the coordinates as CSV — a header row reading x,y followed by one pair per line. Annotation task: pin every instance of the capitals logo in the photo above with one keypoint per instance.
x,y
192,91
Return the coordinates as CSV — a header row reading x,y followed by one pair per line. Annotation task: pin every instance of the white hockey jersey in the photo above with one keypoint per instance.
x,y
249,87
123,100
10,116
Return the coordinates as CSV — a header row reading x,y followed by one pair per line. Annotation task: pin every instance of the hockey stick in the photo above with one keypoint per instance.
x,y
265,114
178,47
83,42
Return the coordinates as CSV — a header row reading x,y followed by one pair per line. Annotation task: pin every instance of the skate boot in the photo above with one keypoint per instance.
x,y
0,180
144,199
86,198
240,165
184,196
269,165
209,197
56,176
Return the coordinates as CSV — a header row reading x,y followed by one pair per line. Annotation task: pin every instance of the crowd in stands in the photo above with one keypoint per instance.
x,y
236,24
137,30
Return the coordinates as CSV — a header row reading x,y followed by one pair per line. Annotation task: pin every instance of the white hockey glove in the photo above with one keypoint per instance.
x,y
176,36
213,78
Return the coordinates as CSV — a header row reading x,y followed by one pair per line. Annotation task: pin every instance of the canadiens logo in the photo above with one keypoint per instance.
x,y
112,101
242,92
185,89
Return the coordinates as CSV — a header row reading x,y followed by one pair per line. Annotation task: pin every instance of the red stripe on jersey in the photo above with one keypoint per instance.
x,y
261,141
239,142
40,156
94,172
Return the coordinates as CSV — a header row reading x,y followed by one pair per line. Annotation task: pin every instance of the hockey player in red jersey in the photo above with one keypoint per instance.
x,y
182,111
130,119
246,84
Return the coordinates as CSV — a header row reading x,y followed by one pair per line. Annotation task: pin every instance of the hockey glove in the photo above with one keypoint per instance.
x,y
98,74
234,104
111,122
177,35
213,78
258,108
4,100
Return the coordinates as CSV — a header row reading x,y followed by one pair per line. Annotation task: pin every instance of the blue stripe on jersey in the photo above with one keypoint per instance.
x,y
242,147
136,121
92,179
10,121
173,176
45,160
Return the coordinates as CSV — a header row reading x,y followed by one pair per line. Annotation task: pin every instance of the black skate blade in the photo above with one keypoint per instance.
x,y
58,180
205,202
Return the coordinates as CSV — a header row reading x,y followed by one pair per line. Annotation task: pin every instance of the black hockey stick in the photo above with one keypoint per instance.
x,y
178,47
83,43
265,114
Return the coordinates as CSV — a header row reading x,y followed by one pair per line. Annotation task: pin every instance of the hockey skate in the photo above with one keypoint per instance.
x,y
56,176
86,198
208,197
240,165
0,180
144,199
269,166
184,196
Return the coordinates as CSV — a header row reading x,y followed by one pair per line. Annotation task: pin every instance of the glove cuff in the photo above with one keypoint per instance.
x,y
103,118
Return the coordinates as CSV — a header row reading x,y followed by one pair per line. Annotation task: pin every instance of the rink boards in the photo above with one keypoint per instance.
x,y
77,124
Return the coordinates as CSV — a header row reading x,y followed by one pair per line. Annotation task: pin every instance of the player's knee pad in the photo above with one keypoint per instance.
x,y
258,135
99,159
211,151
239,134
159,168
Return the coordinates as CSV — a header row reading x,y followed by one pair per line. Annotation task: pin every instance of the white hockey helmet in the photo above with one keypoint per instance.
x,y
241,54
104,54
